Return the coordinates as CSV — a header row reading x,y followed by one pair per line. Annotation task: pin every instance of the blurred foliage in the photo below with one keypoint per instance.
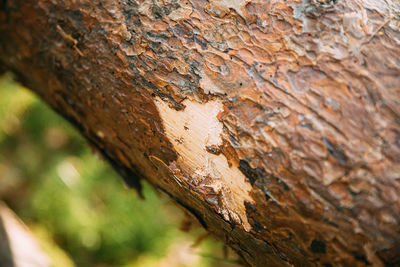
x,y
75,204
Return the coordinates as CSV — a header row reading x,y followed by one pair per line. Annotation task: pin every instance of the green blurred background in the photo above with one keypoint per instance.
x,y
76,206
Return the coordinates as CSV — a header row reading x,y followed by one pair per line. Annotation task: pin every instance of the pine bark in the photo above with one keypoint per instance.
x,y
275,123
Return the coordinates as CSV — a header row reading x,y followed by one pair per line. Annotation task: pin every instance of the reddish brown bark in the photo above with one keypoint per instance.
x,y
275,123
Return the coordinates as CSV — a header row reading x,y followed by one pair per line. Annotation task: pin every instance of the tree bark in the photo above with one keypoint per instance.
x,y
275,123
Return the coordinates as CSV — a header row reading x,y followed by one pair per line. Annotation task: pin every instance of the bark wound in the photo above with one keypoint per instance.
x,y
192,131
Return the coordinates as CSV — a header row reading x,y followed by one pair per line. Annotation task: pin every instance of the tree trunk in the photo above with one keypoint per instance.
x,y
18,247
275,123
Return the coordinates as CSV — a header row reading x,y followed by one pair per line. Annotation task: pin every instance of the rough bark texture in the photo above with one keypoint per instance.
x,y
275,123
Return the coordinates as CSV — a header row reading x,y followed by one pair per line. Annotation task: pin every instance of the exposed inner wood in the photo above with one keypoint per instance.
x,y
192,132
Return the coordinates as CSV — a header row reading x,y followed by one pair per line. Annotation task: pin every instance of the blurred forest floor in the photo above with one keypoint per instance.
x,y
76,206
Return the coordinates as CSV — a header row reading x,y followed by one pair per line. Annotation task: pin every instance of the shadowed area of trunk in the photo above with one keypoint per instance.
x,y
5,251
